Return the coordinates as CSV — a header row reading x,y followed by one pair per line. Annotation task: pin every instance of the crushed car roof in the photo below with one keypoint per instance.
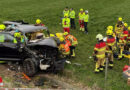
x,y
11,22
25,28
29,28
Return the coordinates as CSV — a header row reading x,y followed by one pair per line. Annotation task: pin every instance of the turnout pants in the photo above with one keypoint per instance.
x,y
99,64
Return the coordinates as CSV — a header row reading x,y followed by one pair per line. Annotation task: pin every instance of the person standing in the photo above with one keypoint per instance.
x,y
99,53
81,21
66,23
72,18
86,19
73,43
66,11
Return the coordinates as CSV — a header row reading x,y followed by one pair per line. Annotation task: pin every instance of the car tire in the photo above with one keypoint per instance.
x,y
29,67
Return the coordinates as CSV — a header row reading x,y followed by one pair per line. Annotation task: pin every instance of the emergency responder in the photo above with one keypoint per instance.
x,y
111,46
66,23
119,28
128,39
81,19
111,28
39,23
86,19
64,47
99,53
72,18
125,31
66,11
121,44
20,38
2,27
73,43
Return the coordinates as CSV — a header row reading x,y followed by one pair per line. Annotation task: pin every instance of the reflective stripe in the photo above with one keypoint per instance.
x,y
100,56
101,49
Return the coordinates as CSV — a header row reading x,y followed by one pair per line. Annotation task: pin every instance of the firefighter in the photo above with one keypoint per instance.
x,y
119,28
72,18
73,43
64,47
66,23
125,31
81,19
66,11
39,23
121,44
2,27
99,53
111,46
128,39
19,36
86,19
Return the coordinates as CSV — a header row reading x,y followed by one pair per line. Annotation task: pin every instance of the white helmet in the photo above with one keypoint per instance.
x,y
99,37
86,11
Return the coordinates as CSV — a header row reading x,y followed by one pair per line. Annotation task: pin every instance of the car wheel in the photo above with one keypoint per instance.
x,y
29,67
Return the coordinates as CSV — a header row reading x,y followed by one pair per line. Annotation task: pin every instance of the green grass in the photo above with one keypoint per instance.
x,y
102,13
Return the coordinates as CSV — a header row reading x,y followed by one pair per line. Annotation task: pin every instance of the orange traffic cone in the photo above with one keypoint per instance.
x,y
1,82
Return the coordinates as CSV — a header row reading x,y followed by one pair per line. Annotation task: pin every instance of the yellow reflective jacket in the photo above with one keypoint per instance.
x,y
66,12
66,22
86,18
81,16
72,14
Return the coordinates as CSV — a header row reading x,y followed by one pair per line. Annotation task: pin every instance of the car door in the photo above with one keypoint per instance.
x,y
8,46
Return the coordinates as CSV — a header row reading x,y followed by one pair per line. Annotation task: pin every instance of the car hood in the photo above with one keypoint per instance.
x,y
45,42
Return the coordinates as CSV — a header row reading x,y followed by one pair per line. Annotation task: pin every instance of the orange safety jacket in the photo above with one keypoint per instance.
x,y
72,40
110,44
65,48
100,50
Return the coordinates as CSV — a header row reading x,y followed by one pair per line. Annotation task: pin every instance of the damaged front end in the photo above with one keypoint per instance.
x,y
49,56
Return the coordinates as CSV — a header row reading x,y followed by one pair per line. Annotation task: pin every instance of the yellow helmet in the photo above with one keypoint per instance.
x,y
61,39
52,35
120,18
99,37
110,28
66,33
129,28
2,26
109,32
81,9
38,21
125,24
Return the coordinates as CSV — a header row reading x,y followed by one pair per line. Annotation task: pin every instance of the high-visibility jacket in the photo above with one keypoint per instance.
x,y
128,38
111,41
64,48
66,12
86,18
100,49
58,35
72,39
122,41
18,35
66,22
81,16
2,38
72,14
125,34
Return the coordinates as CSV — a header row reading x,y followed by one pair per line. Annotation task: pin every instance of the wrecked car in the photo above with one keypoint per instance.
x,y
34,53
